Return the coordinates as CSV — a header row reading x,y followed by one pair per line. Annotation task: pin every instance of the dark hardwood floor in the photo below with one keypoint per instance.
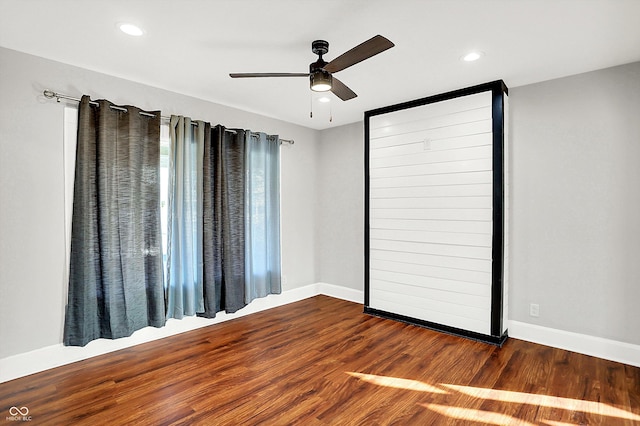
x,y
322,361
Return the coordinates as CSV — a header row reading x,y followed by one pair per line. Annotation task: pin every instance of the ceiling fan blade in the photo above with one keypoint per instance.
x,y
341,90
369,48
268,74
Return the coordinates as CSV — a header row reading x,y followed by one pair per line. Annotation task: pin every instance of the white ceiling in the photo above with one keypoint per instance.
x,y
191,46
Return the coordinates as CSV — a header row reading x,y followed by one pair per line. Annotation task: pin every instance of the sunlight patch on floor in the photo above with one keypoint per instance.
x,y
398,383
504,396
569,404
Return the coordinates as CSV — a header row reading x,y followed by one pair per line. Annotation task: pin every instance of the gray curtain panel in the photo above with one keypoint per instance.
x,y
223,217
262,216
116,279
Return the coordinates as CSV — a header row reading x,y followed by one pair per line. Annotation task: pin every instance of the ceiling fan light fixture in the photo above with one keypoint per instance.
x,y
321,81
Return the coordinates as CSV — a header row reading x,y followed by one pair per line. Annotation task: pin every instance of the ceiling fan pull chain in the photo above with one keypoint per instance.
x,y
310,104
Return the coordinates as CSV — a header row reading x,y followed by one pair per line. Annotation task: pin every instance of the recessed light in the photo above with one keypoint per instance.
x,y
472,56
131,29
324,99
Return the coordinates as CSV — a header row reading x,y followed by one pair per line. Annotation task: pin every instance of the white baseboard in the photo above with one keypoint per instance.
x,y
612,350
339,292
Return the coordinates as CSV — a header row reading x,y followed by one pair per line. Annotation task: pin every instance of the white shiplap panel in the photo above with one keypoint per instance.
x,y
443,238
472,252
470,300
433,283
432,123
432,169
459,226
430,156
467,129
469,312
484,189
479,202
432,214
450,106
401,307
481,265
433,144
434,272
468,178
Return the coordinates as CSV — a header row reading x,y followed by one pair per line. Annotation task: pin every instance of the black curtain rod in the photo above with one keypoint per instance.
x,y
50,94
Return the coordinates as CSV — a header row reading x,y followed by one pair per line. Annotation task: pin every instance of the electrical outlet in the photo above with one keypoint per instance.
x,y
285,280
534,310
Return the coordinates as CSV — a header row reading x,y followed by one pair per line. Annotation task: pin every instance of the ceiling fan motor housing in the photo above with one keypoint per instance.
x,y
319,79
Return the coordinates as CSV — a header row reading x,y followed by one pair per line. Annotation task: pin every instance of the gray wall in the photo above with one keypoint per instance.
x,y
575,203
32,291
340,209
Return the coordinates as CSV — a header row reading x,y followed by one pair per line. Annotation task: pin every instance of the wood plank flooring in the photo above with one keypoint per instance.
x,y
321,361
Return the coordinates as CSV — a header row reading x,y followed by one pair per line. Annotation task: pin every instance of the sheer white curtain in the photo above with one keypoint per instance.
x,y
262,216
185,233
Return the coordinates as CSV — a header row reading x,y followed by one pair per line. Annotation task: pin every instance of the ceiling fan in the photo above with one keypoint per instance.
x,y
320,73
